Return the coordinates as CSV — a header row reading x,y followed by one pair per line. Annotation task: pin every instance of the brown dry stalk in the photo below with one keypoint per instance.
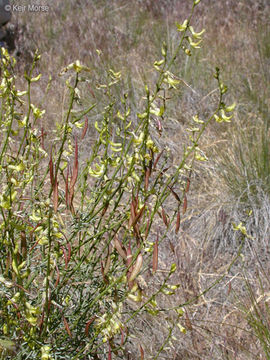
x,y
74,174
155,255
110,353
51,169
23,244
66,188
69,252
42,138
188,322
55,195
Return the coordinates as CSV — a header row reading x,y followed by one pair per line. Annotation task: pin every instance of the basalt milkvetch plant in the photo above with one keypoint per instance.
x,y
78,236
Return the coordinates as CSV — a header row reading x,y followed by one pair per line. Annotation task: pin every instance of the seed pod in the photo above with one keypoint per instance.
x,y
132,213
137,267
188,322
147,175
86,331
164,217
67,327
177,226
188,184
65,256
129,256
157,159
120,249
138,216
142,353
174,194
185,205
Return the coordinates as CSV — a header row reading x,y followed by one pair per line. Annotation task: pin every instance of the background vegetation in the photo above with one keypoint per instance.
x,y
230,320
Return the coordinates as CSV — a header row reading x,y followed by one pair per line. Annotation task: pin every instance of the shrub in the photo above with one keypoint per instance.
x,y
80,233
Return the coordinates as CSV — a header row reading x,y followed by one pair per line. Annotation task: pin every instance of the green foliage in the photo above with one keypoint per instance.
x,y
75,233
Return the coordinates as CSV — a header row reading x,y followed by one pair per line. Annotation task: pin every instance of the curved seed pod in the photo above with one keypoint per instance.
x,y
185,205
138,216
137,267
120,249
87,325
158,157
129,255
147,176
188,184
164,218
67,327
